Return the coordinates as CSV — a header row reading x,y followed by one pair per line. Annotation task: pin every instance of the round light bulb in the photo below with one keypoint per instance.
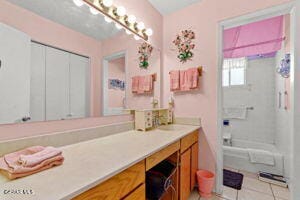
x,y
131,19
118,26
78,3
94,11
107,19
136,37
140,26
121,11
149,32
107,3
128,32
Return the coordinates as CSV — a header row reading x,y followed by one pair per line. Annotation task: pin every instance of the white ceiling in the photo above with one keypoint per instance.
x,y
65,12
168,6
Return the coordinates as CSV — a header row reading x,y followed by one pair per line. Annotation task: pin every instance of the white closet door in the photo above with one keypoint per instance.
x,y
38,82
57,84
78,86
14,75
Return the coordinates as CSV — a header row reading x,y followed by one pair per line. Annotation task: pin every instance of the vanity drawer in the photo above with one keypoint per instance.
x,y
138,194
118,186
188,141
156,158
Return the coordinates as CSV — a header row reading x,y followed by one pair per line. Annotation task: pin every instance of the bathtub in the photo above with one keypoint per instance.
x,y
237,157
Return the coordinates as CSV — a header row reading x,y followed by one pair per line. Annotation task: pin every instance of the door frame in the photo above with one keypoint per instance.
x,y
287,8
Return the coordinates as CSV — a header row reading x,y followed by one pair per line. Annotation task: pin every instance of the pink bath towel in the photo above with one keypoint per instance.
x,y
141,85
148,83
34,159
174,80
193,77
135,84
185,84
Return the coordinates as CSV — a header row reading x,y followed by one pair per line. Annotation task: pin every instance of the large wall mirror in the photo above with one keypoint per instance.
x,y
62,62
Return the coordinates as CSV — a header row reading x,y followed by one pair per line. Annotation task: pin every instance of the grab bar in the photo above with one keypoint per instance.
x,y
250,108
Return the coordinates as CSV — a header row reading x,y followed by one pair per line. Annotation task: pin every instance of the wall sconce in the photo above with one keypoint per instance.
x,y
119,16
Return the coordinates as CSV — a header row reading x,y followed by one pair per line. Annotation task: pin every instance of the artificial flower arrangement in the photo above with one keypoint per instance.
x,y
145,51
185,45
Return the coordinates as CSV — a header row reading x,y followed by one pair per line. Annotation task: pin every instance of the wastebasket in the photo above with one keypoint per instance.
x,y
206,180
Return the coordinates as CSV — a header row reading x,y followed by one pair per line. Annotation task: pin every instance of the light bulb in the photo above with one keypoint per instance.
x,y
78,3
107,19
96,3
118,26
107,3
149,32
94,11
128,32
140,26
121,11
131,19
136,37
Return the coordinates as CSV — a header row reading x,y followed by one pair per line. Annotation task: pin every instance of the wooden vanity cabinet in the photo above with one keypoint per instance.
x,y
188,165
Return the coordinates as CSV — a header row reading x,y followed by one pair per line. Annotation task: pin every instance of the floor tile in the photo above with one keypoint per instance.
x,y
257,185
214,197
248,174
229,193
194,195
280,192
246,194
231,169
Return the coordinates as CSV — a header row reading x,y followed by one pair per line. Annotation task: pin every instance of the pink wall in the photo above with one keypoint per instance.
x,y
203,18
48,32
116,70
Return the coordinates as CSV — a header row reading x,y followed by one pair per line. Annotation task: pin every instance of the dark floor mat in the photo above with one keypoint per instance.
x,y
233,179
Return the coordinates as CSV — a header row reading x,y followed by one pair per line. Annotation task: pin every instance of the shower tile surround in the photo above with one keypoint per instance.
x,y
259,93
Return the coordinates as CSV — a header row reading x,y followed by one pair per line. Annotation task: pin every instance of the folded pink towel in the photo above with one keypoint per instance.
x,y
24,171
148,83
36,158
174,80
135,84
193,77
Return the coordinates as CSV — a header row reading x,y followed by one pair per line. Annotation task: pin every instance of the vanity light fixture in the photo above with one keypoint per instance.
x,y
107,3
140,26
149,32
78,3
107,19
118,14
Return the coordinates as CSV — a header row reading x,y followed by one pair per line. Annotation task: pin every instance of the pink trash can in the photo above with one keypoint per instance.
x,y
206,181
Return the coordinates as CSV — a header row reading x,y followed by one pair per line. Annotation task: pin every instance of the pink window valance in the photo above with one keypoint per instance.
x,y
261,37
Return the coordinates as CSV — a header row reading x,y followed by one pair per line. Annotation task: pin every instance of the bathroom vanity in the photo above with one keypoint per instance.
x,y
115,167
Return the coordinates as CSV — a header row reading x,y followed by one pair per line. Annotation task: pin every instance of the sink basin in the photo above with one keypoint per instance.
x,y
170,128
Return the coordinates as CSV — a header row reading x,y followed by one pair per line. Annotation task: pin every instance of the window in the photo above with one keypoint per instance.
x,y
234,72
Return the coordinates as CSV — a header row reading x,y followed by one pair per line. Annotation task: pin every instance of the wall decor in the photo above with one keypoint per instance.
x,y
145,51
185,45
285,66
116,84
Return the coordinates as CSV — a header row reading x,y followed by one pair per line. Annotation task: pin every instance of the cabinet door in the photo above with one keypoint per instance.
x,y
14,74
57,84
194,164
79,86
185,175
37,82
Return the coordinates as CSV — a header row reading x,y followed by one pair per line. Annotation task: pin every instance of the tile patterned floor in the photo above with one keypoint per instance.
x,y
253,189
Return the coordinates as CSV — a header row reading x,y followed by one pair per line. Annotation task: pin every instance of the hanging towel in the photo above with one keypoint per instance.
x,y
184,81
141,85
135,84
193,77
174,80
258,156
148,83
235,113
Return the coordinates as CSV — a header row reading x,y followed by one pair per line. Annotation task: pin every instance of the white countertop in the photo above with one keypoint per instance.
x,y
89,163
